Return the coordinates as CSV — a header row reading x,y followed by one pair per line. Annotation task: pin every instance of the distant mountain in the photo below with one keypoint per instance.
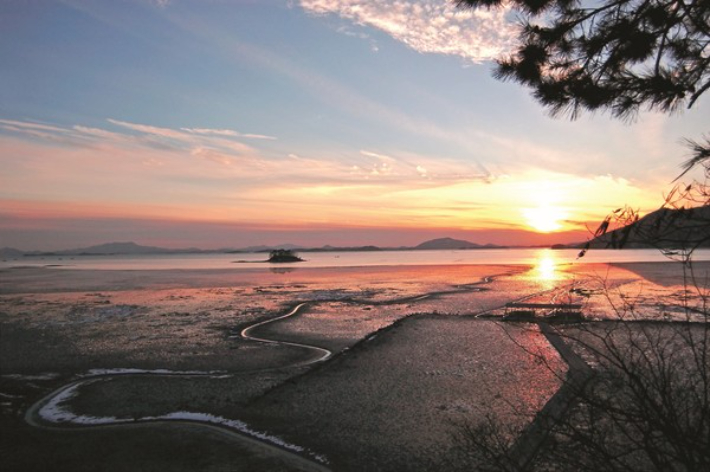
x,y
119,248
664,228
10,253
448,243
131,248
329,248
265,248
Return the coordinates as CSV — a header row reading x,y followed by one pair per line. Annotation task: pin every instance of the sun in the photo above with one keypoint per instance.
x,y
544,218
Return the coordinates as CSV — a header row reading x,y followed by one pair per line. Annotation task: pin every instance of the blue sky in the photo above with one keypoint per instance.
x,y
228,123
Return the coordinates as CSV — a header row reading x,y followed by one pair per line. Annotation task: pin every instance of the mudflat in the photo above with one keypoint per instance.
x,y
225,369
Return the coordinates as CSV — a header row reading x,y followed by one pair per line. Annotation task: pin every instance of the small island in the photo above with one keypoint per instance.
x,y
283,255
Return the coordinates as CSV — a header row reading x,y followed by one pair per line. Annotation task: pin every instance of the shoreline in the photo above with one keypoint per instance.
x,y
28,280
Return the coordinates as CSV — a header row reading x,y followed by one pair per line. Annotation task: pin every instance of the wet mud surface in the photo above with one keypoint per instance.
x,y
410,360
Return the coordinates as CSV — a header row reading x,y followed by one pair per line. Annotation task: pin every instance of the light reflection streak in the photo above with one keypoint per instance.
x,y
546,266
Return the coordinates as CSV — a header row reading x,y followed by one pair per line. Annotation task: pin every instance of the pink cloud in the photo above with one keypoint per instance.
x,y
31,125
429,26
99,133
227,132
153,130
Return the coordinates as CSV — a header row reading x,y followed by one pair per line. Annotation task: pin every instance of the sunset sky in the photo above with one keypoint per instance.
x,y
344,122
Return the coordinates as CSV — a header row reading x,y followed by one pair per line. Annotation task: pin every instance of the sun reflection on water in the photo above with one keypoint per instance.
x,y
546,266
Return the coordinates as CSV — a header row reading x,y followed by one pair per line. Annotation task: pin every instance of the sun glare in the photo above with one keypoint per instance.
x,y
544,218
546,266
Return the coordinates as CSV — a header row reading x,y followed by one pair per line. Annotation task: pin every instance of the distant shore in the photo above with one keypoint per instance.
x,y
345,260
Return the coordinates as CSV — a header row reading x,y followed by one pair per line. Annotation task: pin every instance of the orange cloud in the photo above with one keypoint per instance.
x,y
213,177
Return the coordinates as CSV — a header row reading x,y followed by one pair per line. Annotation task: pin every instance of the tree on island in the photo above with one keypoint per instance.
x,y
283,255
645,405
619,56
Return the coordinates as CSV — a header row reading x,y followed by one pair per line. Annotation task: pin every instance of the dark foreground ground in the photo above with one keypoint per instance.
x,y
411,362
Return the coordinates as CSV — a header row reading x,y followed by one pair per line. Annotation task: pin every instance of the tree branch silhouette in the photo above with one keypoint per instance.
x,y
620,56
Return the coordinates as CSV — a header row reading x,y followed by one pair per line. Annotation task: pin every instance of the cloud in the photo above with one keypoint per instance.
x,y
199,137
99,133
429,26
220,132
323,88
147,129
222,139
414,168
30,125
210,176
152,146
184,139
212,155
226,132
42,131
186,154
376,155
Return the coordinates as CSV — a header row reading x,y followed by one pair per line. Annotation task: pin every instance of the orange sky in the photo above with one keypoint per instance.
x,y
94,175
341,122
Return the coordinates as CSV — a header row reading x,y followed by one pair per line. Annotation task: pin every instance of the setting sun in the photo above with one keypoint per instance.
x,y
544,218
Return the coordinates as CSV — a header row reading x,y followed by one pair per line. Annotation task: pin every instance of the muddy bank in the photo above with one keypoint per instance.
x,y
388,402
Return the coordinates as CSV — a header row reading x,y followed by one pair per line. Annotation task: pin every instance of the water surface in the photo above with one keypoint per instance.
x,y
345,259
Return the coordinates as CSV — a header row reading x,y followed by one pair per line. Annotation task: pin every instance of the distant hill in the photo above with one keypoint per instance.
x,y
116,248
448,243
131,248
264,248
329,248
664,228
10,253
119,248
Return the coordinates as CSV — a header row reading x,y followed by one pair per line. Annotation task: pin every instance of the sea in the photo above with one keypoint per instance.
x,y
246,261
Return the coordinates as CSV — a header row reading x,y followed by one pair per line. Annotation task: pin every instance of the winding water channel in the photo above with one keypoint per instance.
x,y
51,413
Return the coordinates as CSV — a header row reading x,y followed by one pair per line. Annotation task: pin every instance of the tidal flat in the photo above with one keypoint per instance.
x,y
225,369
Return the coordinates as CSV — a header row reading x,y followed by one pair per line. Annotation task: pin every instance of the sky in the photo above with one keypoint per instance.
x,y
345,122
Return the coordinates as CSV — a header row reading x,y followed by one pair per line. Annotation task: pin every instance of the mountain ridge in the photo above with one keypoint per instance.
x,y
132,248
447,243
682,228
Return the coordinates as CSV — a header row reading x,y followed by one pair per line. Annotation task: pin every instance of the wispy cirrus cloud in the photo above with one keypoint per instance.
x,y
98,133
418,169
180,150
227,132
429,26
200,137
141,140
212,176
37,130
29,125
148,129
135,135
325,88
